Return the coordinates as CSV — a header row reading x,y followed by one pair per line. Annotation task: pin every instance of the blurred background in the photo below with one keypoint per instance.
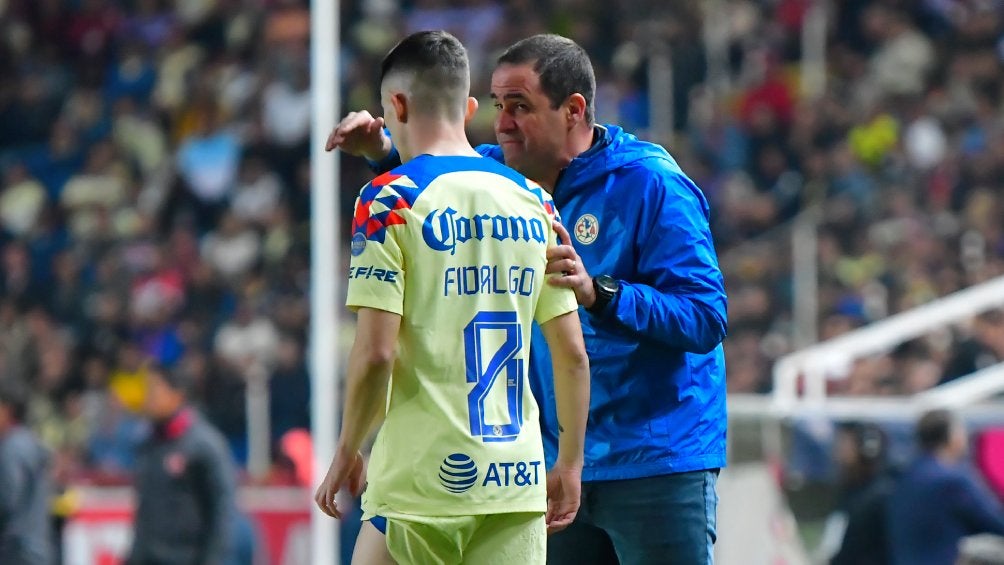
x,y
155,204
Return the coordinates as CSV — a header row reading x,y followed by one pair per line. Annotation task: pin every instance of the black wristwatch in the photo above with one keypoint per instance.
x,y
606,288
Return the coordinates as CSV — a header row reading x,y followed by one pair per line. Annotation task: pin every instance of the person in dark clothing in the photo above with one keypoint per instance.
x,y
984,348
938,501
25,530
865,488
185,482
289,389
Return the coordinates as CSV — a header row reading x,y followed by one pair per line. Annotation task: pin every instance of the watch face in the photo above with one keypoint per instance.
x,y
607,283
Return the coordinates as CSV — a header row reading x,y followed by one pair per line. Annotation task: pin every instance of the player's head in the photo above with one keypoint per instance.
x,y
13,404
426,75
543,88
942,433
166,391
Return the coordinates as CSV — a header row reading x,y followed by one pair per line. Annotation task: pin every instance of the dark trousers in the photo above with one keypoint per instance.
x,y
668,519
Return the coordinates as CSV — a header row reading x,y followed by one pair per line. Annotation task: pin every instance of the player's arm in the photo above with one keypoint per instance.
x,y
571,384
370,362
361,135
571,392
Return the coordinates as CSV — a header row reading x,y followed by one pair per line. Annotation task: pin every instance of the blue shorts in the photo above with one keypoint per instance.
x,y
380,523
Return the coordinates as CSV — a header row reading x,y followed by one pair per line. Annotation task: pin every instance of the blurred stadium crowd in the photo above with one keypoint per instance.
x,y
155,183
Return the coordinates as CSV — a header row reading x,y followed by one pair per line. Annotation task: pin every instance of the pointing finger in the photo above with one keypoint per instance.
x,y
563,235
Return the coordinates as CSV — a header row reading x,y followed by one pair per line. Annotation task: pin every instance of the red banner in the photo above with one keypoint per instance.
x,y
99,532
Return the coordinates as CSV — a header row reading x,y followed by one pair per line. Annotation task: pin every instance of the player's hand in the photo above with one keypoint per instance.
x,y
564,491
563,259
360,134
346,470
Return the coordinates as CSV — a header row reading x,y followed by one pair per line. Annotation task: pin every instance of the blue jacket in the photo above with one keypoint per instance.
x,y
658,372
932,508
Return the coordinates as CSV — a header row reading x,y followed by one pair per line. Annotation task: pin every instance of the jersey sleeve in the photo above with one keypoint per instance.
x,y
376,269
554,301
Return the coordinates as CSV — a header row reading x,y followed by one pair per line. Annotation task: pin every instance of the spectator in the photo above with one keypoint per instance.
x,y
127,381
138,137
858,526
54,163
937,502
245,347
22,201
258,191
248,339
984,348
904,55
289,389
233,248
91,197
208,162
25,537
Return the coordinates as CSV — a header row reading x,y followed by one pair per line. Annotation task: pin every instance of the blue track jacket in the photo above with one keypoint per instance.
x,y
658,372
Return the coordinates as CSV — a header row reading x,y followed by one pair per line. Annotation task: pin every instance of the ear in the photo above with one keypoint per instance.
x,y
576,107
472,108
400,103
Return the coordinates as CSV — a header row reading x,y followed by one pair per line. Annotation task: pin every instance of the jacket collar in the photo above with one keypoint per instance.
x,y
175,426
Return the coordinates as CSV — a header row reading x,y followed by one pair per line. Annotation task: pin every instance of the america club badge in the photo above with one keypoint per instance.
x,y
587,228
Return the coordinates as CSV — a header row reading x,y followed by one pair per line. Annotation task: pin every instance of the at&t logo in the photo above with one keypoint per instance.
x,y
458,473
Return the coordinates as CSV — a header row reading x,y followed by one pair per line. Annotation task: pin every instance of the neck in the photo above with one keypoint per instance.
x,y
175,424
580,139
435,137
945,456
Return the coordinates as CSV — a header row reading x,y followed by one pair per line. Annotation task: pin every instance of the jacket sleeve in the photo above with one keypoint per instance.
x,y
393,159
491,151
140,532
216,483
679,296
11,483
976,507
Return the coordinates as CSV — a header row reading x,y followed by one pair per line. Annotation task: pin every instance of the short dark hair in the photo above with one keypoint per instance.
x,y
934,429
442,74
14,396
869,440
175,377
563,66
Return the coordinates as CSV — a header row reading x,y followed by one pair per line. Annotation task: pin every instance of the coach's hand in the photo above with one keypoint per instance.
x,y
346,470
564,260
360,134
564,490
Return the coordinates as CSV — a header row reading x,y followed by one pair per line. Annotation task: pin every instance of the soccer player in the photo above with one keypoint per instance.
x,y
447,276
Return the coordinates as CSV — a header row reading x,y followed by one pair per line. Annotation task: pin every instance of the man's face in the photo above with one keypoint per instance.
x,y
532,134
161,401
